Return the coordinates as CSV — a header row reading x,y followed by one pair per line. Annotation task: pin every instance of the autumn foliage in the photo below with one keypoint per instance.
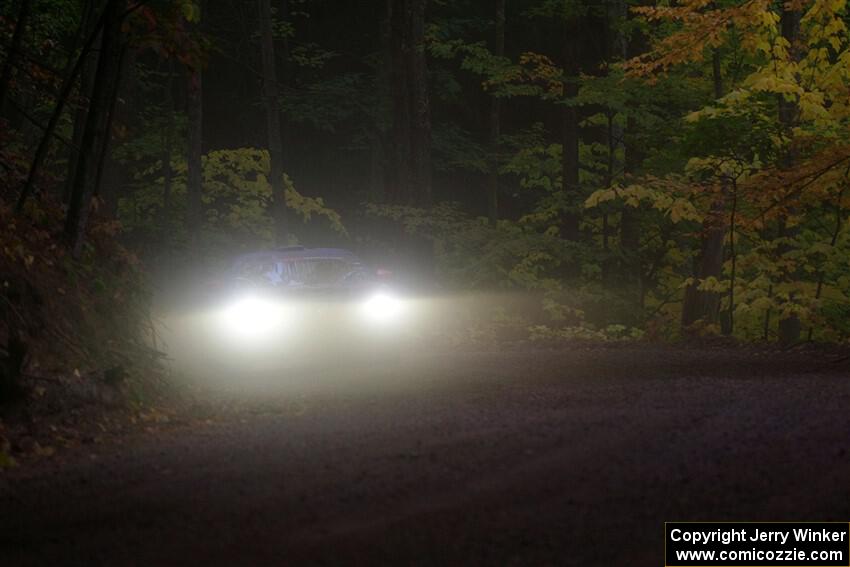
x,y
658,170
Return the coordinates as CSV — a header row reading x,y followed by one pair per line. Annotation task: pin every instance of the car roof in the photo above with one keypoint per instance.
x,y
296,253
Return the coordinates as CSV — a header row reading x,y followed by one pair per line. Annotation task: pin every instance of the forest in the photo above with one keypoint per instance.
x,y
423,282
640,170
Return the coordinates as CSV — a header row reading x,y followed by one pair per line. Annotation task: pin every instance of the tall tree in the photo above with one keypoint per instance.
x,y
616,47
702,304
85,176
195,127
789,325
495,119
630,217
62,98
270,102
85,87
421,111
570,123
105,146
379,140
14,51
168,139
410,179
400,44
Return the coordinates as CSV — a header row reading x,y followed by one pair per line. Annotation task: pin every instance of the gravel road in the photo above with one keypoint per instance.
x,y
495,458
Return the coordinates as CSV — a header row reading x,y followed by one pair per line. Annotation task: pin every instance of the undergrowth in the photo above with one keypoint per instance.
x,y
75,320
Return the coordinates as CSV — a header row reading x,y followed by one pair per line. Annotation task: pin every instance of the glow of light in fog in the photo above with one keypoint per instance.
x,y
252,317
382,307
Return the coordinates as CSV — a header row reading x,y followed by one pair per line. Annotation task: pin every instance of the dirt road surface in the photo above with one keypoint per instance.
x,y
493,458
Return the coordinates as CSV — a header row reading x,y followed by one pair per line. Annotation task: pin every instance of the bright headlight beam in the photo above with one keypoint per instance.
x,y
382,307
251,317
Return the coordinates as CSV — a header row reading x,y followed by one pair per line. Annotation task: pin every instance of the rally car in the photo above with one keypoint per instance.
x,y
296,298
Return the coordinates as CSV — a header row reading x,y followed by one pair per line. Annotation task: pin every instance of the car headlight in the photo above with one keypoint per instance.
x,y
382,307
251,317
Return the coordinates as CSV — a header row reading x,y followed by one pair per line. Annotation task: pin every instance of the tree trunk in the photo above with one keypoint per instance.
x,y
126,104
421,110
270,94
789,326
95,129
630,216
103,155
86,80
14,49
495,121
401,175
195,134
194,173
701,304
380,135
570,138
410,181
286,77
85,88
168,142
67,87
616,50
410,174
613,136
836,232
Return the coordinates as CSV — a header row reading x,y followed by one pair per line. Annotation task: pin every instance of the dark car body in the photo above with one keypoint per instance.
x,y
323,296
296,269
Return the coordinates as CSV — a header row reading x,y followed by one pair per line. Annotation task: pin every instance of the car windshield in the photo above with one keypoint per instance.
x,y
319,271
256,270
